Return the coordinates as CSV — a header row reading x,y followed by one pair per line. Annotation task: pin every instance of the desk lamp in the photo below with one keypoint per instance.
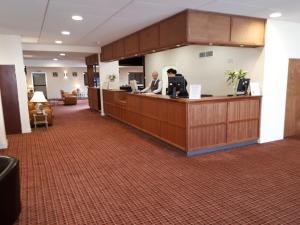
x,y
38,98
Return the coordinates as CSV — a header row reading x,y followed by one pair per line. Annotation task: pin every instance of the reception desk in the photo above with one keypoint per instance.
x,y
194,126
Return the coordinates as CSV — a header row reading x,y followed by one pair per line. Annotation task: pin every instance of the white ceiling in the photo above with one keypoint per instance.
x,y
107,20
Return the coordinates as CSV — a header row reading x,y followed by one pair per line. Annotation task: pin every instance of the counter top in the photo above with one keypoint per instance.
x,y
187,100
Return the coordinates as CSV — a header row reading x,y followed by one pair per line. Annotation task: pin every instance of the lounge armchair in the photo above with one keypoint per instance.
x,y
68,98
10,205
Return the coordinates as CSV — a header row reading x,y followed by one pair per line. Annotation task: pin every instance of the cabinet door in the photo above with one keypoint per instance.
x,y
131,44
149,38
106,53
118,49
247,31
207,28
173,31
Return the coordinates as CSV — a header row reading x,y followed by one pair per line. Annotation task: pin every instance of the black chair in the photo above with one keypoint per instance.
x,y
10,203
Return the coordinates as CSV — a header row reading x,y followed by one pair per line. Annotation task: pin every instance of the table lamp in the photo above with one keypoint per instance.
x,y
38,98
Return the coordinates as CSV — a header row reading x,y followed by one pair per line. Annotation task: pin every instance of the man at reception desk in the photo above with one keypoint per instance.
x,y
155,86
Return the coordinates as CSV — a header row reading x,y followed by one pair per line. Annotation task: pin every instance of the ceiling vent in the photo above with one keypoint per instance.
x,y
206,54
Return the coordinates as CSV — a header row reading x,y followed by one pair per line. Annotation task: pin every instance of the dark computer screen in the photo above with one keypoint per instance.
x,y
243,86
177,84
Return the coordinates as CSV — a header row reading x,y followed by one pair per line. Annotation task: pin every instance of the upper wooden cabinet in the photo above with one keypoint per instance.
x,y
118,49
106,53
189,27
92,60
149,38
131,44
173,30
205,27
247,31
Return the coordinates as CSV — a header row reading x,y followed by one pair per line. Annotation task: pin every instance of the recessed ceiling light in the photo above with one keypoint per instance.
x,y
275,15
65,32
76,17
55,59
28,56
58,42
62,54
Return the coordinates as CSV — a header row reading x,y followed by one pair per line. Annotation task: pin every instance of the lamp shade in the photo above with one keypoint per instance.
x,y
38,96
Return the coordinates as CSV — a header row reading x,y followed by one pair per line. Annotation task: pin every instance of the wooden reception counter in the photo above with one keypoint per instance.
x,y
194,126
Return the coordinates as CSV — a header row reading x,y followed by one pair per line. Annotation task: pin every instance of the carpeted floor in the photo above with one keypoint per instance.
x,y
86,169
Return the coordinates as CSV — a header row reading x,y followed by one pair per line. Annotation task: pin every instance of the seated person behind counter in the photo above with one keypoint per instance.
x,y
174,88
155,86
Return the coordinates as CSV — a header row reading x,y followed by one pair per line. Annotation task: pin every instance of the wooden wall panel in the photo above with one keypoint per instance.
x,y
174,134
247,31
244,110
107,53
92,60
188,125
10,99
207,136
118,49
149,38
131,45
173,30
242,131
292,112
208,113
207,28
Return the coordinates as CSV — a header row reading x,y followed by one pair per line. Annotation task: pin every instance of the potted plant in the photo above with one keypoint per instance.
x,y
233,78
112,77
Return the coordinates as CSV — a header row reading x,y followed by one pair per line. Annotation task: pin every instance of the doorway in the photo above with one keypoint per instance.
x,y
292,112
39,82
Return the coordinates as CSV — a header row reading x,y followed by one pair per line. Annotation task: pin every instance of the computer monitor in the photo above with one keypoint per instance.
x,y
243,85
133,85
176,85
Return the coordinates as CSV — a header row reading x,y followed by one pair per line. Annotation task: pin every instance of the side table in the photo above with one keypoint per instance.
x,y
40,118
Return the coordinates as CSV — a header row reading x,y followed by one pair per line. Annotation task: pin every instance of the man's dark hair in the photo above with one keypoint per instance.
x,y
172,71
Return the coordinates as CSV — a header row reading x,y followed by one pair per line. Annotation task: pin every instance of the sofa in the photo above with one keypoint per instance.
x,y
69,98
10,205
47,108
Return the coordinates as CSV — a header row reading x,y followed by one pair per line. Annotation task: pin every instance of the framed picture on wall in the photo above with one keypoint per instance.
x,y
74,74
55,74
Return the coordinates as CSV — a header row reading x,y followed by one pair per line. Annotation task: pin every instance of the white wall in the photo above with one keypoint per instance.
x,y
55,84
208,71
11,54
3,140
125,70
282,43
106,69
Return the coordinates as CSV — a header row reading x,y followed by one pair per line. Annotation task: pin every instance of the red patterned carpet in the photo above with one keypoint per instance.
x,y
86,169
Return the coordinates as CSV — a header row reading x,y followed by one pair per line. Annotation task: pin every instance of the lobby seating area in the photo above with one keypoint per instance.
x,y
69,98
46,107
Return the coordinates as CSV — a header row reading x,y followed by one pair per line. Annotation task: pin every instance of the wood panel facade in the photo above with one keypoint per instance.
x,y
94,98
188,124
10,99
292,111
189,27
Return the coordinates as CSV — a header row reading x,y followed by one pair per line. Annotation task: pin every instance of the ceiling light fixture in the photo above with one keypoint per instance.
x,y
55,59
58,42
275,15
62,54
77,18
65,32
